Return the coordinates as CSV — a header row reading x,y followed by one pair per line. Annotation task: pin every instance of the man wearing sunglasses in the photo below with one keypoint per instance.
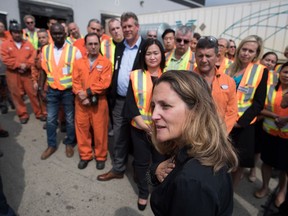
x,y
30,32
181,58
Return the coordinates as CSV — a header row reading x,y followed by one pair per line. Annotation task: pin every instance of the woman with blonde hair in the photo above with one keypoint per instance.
x,y
186,127
251,85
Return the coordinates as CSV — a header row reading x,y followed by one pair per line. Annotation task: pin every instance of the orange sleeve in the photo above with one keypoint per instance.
x,y
8,58
104,80
35,68
81,46
43,62
31,57
232,107
76,76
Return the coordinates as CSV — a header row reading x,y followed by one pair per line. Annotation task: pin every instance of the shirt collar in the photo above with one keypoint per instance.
x,y
183,56
217,72
136,45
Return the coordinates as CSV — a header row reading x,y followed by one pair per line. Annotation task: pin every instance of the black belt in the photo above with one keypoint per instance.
x,y
120,97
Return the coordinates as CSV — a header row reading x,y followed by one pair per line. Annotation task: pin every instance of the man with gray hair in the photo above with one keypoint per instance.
x,y
74,33
181,58
151,33
108,46
223,63
94,26
30,32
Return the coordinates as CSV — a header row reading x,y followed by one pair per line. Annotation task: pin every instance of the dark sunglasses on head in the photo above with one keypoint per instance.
x,y
210,39
179,40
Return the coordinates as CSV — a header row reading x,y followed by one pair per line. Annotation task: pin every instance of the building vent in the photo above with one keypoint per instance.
x,y
190,3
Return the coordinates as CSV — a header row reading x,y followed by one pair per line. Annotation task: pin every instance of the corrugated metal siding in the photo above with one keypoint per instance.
x,y
268,19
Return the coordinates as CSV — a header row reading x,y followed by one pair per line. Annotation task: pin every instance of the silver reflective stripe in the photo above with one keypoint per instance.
x,y
146,118
70,52
275,78
140,88
250,81
66,81
242,109
50,79
107,49
252,74
269,97
47,57
192,62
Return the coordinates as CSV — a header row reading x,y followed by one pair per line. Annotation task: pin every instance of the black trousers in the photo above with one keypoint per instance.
x,y
144,154
121,141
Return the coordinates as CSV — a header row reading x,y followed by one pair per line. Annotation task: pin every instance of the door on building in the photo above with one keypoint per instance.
x,y
43,11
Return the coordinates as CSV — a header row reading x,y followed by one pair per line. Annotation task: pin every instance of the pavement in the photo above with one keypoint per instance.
x,y
56,186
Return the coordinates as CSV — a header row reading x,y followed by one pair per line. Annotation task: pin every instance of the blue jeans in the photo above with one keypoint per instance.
x,y
55,98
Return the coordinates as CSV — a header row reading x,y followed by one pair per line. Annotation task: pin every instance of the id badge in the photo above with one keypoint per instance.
x,y
245,90
65,71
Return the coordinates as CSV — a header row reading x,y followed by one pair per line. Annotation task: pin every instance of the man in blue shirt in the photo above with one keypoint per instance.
x,y
126,60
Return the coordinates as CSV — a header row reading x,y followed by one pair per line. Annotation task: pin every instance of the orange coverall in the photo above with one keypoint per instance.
x,y
80,44
96,80
20,83
36,69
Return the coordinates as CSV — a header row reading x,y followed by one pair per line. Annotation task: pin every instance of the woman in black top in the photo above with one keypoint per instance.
x,y
186,126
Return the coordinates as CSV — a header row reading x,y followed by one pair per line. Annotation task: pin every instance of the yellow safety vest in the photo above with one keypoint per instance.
x,y
225,65
59,76
71,39
187,63
142,88
108,50
273,101
247,87
278,68
32,38
272,78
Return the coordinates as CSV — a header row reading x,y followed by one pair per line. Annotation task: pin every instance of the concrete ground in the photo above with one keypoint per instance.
x,y
57,187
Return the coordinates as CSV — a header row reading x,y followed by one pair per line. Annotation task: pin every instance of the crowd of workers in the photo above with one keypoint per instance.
x,y
98,82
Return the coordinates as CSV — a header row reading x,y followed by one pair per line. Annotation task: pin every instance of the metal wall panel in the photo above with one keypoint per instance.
x,y
268,19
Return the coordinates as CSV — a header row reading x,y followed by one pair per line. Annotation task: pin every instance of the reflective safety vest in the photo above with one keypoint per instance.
x,y
225,64
247,87
273,101
31,37
71,39
108,50
278,68
142,88
59,76
187,62
272,78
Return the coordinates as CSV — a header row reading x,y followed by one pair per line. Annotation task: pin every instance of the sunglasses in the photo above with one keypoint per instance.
x,y
233,47
211,39
29,23
179,40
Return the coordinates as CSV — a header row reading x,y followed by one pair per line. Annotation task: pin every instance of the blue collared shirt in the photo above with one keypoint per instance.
x,y
126,66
